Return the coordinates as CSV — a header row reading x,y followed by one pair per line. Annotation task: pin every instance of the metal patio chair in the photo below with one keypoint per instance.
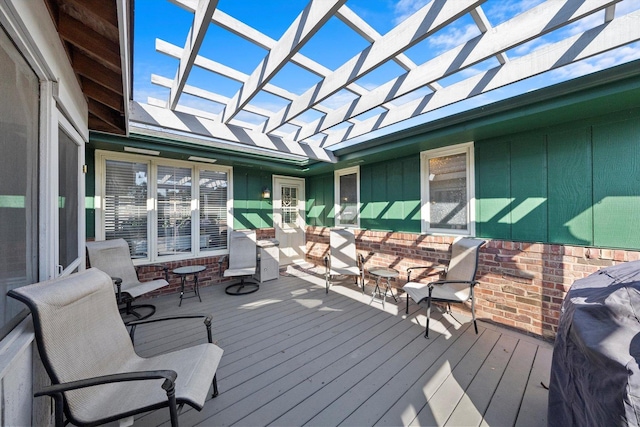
x,y
113,257
456,283
242,262
96,375
343,259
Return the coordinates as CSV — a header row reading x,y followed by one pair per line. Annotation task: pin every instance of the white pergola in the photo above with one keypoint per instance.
x,y
480,64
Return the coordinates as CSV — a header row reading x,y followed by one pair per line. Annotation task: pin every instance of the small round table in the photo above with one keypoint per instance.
x,y
383,273
183,272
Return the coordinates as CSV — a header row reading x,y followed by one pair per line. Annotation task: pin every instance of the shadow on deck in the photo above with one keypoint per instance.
x,y
296,356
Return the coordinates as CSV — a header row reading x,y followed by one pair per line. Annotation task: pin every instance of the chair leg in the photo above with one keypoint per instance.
x,y
407,311
473,311
215,386
173,410
426,332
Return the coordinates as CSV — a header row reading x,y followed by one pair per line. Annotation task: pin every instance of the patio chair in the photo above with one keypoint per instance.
x,y
113,257
456,282
343,259
96,375
242,262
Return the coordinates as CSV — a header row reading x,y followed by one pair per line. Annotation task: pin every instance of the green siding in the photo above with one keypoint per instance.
x,y
529,189
577,184
569,183
493,189
390,195
320,200
90,193
616,184
250,210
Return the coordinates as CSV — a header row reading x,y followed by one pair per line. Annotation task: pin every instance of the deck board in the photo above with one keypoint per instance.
x,y
295,355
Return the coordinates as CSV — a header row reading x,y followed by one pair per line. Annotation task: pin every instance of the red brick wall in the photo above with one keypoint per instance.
x,y
211,276
522,285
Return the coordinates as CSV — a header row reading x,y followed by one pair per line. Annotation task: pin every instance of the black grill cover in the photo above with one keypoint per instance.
x,y
595,373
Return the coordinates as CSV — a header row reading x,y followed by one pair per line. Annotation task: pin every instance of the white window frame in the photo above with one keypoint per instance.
x,y
336,208
152,213
73,134
425,209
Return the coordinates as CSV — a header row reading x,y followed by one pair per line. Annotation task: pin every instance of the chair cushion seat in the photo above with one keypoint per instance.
x,y
140,288
195,367
345,271
233,272
420,292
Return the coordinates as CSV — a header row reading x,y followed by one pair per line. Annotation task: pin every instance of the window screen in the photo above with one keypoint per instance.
x,y
213,210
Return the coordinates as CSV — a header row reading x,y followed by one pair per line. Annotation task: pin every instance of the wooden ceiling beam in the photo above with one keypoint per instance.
x,y
77,33
105,10
92,70
101,94
106,114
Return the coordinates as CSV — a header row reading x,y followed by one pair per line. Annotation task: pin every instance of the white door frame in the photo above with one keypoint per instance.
x,y
277,217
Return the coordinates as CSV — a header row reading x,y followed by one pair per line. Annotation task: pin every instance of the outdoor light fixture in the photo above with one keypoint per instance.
x,y
266,193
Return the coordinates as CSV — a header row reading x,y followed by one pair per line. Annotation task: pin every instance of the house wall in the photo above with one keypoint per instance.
x,y
555,204
250,210
575,184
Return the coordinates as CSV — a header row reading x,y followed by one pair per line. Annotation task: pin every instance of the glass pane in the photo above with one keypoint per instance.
x,y
213,210
68,178
448,192
125,210
289,202
348,199
19,92
174,210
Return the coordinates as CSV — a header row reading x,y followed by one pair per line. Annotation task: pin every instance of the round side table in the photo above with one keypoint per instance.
x,y
383,273
183,272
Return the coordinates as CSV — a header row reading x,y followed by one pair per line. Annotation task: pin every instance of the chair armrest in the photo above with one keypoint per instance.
x,y
221,261
360,258
445,282
207,323
168,375
418,267
118,282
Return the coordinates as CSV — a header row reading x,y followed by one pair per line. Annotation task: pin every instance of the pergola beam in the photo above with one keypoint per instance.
x,y
607,36
201,20
536,22
429,19
303,28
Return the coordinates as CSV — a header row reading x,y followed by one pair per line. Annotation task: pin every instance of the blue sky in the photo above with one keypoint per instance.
x,y
333,45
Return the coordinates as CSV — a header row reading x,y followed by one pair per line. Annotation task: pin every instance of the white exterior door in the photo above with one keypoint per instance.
x,y
288,214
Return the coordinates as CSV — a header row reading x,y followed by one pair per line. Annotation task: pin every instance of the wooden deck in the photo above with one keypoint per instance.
x,y
295,356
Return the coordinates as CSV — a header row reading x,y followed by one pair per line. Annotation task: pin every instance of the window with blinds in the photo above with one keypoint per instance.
x,y
164,209
174,210
213,210
125,204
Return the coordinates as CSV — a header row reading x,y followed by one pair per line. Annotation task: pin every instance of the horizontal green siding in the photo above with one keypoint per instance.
x,y
572,185
320,201
250,210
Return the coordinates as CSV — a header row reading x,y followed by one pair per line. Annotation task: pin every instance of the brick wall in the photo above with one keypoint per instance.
x,y
522,285
211,276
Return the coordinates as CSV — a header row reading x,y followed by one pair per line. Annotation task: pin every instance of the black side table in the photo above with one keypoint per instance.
x,y
183,272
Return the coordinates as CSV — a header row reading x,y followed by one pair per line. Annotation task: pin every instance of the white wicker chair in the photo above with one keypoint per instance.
x,y
457,284
113,257
96,375
343,259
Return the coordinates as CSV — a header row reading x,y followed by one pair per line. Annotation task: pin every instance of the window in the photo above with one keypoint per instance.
x,y
68,199
19,125
165,209
347,203
446,177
